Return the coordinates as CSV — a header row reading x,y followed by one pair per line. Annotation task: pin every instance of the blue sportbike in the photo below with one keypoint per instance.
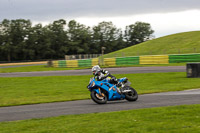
x,y
103,91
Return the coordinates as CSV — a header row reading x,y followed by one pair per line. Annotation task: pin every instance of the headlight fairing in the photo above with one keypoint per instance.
x,y
93,84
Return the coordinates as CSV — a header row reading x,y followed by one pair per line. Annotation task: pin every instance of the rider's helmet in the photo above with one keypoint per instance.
x,y
95,69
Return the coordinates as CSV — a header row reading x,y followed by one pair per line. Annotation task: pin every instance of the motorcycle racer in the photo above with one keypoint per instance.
x,y
101,74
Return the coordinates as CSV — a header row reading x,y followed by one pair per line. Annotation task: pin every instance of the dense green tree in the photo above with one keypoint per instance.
x,y
138,33
6,44
38,43
59,39
20,40
105,34
14,34
79,38
19,35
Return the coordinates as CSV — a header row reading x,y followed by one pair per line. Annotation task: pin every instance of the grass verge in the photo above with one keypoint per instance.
x,y
177,119
45,68
35,68
31,90
181,43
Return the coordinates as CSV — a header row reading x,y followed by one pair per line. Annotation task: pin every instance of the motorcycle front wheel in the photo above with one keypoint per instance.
x,y
132,95
100,99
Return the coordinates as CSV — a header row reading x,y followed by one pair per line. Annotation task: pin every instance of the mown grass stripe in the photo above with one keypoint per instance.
x,y
29,90
175,119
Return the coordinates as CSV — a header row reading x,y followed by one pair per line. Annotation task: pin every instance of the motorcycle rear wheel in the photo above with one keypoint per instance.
x,y
131,96
100,99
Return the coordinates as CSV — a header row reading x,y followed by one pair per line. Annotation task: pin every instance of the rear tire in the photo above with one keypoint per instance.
x,y
131,96
99,99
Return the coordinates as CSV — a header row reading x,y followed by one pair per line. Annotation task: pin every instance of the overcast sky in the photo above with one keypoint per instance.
x,y
165,16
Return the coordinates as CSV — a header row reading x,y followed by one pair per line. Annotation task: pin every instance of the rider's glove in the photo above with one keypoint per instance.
x,y
102,78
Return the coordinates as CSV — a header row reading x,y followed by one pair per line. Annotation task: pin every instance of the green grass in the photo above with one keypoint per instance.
x,y
187,42
177,119
36,68
45,68
30,90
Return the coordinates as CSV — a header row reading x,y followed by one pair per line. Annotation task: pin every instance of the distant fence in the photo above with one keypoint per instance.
x,y
135,60
76,63
184,58
81,56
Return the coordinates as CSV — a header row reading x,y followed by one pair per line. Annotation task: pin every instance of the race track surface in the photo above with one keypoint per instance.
x,y
88,106
121,70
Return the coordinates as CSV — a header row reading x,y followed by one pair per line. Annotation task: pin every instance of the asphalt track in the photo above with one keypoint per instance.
x,y
122,70
88,106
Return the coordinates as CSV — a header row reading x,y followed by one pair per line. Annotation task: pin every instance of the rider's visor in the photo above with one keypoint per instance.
x,y
94,72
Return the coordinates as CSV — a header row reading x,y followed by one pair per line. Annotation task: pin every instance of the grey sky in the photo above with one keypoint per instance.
x,y
120,12
40,10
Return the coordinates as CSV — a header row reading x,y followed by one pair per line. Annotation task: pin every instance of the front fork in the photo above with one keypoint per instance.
x,y
100,93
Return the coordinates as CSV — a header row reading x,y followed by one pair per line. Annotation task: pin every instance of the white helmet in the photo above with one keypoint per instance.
x,y
95,69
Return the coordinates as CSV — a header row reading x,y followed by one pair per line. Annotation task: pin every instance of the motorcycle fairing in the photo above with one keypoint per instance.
x,y
112,93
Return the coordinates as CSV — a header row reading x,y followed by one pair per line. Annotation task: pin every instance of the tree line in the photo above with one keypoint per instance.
x,y
21,40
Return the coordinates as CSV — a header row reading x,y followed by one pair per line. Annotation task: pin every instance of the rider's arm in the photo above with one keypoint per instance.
x,y
106,73
99,78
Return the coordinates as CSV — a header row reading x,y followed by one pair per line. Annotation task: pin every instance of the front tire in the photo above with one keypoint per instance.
x,y
99,99
131,96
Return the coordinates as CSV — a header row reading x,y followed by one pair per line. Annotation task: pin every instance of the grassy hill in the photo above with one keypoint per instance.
x,y
187,42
